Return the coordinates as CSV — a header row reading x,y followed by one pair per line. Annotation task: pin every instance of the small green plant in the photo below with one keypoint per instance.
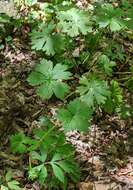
x,y
115,99
77,116
50,79
93,91
56,38
47,40
106,65
10,183
74,22
79,52
47,154
108,16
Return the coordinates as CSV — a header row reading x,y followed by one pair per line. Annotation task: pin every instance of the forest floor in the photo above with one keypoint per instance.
x,y
105,153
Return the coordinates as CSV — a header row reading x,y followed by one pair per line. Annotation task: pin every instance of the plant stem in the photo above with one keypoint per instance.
x,y
44,136
69,95
30,166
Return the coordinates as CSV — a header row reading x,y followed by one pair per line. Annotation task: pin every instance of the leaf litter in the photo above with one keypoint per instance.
x,y
92,149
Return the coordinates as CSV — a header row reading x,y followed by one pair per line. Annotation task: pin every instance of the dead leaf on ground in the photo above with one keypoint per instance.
x,y
101,185
85,186
106,186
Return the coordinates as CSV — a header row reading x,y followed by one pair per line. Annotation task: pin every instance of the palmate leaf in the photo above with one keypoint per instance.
x,y
70,167
106,65
75,117
93,91
14,185
47,41
63,164
109,16
19,142
49,79
73,22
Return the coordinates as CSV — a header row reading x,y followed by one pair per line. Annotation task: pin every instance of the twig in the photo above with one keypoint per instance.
x,y
122,73
85,59
9,156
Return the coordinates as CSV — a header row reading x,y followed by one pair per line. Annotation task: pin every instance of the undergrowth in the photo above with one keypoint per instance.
x,y
81,60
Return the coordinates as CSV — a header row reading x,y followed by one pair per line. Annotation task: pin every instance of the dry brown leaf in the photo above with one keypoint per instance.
x,y
104,186
98,186
85,186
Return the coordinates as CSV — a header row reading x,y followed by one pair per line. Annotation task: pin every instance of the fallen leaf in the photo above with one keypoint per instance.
x,y
85,186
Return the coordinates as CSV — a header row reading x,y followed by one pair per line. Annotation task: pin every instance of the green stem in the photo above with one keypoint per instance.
x,y
38,144
65,157
85,59
122,73
123,79
30,166
69,95
43,137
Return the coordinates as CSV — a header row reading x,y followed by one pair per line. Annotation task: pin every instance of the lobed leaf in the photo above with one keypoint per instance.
x,y
93,91
49,79
75,117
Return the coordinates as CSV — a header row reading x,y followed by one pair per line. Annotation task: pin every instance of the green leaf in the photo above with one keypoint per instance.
x,y
43,175
41,157
107,15
59,72
129,84
103,24
115,25
116,92
60,89
93,91
31,2
45,40
70,167
4,187
45,67
44,121
75,117
106,65
73,22
50,80
35,156
45,91
58,172
34,172
35,78
56,157
9,175
115,99
19,142
67,166
14,185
